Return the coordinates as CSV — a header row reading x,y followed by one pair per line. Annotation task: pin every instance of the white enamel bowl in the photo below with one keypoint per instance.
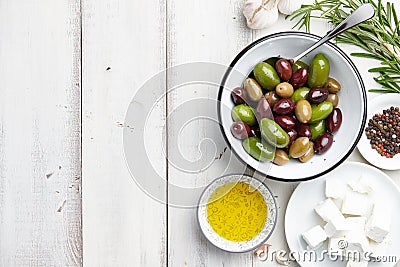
x,y
352,102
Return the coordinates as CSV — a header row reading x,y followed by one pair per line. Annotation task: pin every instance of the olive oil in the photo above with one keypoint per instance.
x,y
237,211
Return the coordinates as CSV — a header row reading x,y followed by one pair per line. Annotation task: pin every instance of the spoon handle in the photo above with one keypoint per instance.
x,y
361,14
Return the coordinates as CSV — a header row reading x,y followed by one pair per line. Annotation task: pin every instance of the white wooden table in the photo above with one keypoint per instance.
x,y
68,71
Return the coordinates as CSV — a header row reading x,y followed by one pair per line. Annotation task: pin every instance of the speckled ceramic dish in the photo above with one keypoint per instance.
x,y
226,244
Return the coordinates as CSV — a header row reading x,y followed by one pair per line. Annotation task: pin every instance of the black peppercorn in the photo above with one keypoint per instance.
x,y
383,131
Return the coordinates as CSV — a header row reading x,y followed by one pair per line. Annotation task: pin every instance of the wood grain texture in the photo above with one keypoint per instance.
x,y
40,136
123,46
206,31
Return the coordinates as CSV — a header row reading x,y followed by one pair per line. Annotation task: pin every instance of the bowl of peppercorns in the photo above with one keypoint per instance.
x,y
380,143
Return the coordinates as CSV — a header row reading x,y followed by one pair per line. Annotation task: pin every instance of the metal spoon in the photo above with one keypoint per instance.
x,y
361,14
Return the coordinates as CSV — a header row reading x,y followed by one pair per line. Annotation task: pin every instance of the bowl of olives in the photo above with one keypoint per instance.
x,y
292,121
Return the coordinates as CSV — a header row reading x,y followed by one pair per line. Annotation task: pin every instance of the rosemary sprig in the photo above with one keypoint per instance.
x,y
379,36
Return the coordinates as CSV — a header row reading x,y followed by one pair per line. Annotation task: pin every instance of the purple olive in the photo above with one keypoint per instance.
x,y
240,130
334,120
285,122
317,95
284,69
239,95
303,130
284,106
299,77
292,135
323,143
263,110
255,131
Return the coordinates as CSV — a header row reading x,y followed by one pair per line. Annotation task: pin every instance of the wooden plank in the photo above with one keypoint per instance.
x,y
206,31
40,197
123,46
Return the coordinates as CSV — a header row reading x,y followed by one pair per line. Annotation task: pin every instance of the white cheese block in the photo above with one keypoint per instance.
x,y
314,237
356,223
357,245
356,204
336,227
338,202
336,247
357,263
380,249
378,225
335,188
328,211
361,185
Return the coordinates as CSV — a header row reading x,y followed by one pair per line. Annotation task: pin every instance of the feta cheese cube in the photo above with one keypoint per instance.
x,y
338,202
335,188
357,204
356,223
357,263
361,185
379,249
314,237
336,227
378,225
328,211
357,245
335,246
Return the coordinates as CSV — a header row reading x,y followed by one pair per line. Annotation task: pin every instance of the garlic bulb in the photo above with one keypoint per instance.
x,y
260,13
287,7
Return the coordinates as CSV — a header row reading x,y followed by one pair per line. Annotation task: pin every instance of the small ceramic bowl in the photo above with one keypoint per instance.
x,y
377,105
223,243
352,102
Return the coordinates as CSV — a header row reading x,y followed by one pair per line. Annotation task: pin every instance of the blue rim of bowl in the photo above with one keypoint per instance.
x,y
316,37
251,177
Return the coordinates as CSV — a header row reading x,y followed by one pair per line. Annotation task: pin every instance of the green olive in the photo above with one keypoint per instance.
x,y
266,76
299,147
281,157
309,153
319,71
253,89
255,148
317,129
332,85
244,113
300,93
320,111
298,65
284,90
273,133
334,99
303,111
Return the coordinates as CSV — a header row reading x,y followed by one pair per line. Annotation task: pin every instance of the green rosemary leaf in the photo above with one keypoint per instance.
x,y
389,14
383,69
365,55
381,91
395,20
389,79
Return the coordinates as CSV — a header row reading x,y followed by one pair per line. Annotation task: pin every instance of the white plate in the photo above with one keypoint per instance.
x,y
300,215
377,105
